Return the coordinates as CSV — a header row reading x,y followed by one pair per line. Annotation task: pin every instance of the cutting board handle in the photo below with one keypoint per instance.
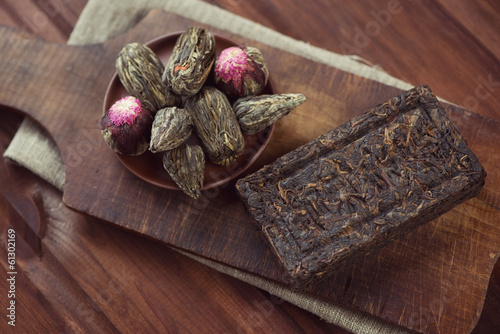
x,y
52,83
27,72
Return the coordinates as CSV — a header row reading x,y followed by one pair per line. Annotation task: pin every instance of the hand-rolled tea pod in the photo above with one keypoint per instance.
x,y
191,61
140,71
171,127
216,125
256,113
186,165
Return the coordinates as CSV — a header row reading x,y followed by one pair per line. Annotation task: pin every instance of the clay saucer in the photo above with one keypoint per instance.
x,y
149,166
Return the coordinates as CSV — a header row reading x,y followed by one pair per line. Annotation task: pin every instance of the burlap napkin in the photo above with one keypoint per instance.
x,y
32,148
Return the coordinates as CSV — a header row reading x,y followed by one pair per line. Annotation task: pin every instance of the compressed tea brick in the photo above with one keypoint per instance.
x,y
377,177
171,127
185,165
216,125
256,113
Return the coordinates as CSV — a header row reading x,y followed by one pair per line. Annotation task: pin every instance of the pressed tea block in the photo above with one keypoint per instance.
x,y
357,187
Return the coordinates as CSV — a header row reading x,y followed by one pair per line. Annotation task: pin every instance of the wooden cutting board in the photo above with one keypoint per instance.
x,y
434,278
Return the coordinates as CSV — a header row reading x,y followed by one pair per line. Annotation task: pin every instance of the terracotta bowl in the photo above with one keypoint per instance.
x,y
149,166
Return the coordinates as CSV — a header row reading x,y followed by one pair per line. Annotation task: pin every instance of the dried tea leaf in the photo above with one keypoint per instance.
x,y
191,61
216,125
185,165
171,127
140,70
256,113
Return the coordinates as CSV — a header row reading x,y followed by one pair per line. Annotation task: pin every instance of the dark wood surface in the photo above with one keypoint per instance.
x,y
217,226
30,200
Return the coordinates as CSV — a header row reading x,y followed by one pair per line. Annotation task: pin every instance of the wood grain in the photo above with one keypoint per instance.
x,y
78,275
479,19
52,19
61,301
428,50
274,14
220,223
93,278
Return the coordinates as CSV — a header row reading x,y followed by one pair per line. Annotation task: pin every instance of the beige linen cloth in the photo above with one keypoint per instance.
x,y
99,21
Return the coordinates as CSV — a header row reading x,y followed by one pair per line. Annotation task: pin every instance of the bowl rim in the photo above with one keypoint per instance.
x,y
232,171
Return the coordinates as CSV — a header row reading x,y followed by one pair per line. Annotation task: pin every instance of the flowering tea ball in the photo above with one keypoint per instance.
x,y
126,127
191,61
186,165
255,113
171,128
140,71
216,125
241,72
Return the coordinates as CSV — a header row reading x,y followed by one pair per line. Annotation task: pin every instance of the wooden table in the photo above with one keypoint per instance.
x,y
78,265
